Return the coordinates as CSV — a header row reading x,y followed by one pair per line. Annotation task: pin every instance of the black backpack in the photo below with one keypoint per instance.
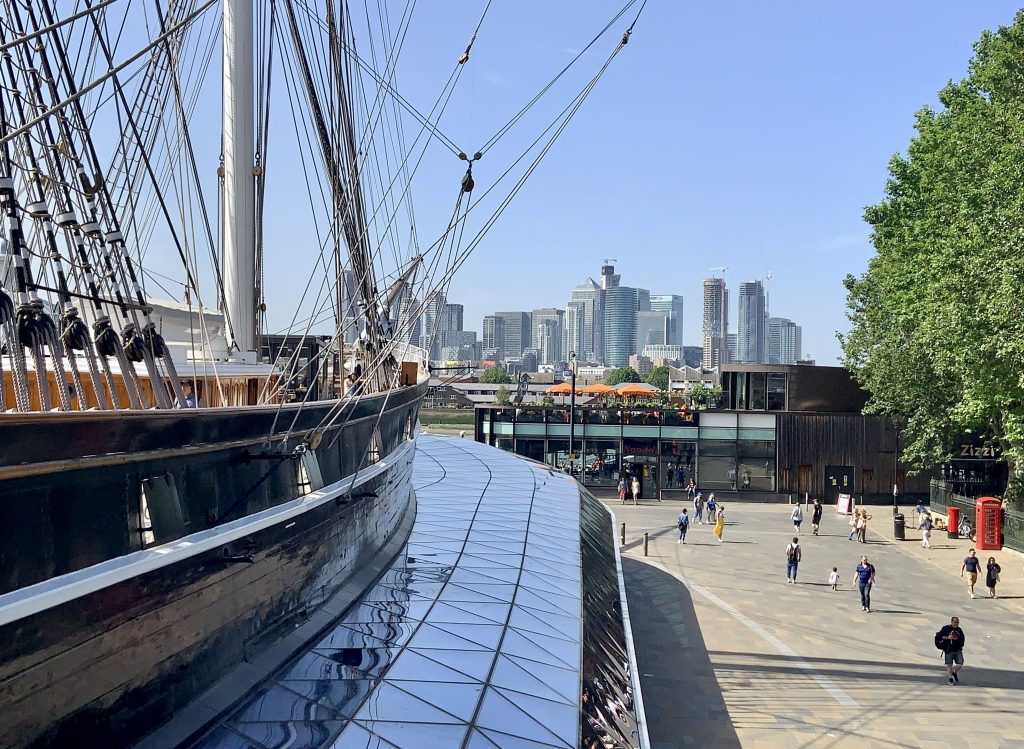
x,y
940,641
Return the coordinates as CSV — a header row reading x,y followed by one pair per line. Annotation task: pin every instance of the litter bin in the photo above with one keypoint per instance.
x,y
899,527
952,522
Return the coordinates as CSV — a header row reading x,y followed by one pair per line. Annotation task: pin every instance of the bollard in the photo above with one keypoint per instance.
x,y
645,544
622,534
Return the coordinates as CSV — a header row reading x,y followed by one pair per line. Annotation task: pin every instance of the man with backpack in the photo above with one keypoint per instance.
x,y
950,640
683,523
792,560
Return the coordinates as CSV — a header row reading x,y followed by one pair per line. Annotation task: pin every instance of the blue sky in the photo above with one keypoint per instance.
x,y
741,134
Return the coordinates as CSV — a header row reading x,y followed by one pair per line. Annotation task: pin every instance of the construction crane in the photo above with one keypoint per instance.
x,y
610,260
721,269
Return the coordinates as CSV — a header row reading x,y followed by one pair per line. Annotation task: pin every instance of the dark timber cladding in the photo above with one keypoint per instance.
x,y
809,443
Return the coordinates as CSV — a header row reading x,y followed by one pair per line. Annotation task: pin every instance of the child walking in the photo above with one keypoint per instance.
x,y
833,578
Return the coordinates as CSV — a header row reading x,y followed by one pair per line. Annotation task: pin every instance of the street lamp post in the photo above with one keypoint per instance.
x,y
895,463
572,412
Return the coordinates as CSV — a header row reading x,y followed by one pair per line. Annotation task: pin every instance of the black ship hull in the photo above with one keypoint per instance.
x,y
144,555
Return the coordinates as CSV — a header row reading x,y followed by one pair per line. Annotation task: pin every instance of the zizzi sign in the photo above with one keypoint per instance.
x,y
980,451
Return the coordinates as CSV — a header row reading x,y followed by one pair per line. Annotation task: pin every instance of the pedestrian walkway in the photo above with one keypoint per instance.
x,y
732,656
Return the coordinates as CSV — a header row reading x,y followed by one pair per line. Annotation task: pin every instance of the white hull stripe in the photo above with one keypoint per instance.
x,y
24,602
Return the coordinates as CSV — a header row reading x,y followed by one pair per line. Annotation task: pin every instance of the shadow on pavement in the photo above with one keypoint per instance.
x,y
845,670
682,697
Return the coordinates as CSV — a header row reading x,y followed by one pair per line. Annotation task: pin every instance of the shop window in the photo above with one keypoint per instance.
x,y
757,391
601,462
678,463
557,454
531,448
776,397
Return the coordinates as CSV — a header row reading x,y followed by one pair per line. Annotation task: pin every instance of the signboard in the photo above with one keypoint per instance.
x,y
844,504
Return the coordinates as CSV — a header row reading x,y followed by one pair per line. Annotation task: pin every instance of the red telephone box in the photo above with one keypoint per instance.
x,y
988,524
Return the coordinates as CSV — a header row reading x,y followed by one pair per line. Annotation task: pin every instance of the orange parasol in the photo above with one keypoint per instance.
x,y
562,388
637,388
599,388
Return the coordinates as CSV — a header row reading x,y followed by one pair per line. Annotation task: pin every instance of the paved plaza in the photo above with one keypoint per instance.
x,y
730,655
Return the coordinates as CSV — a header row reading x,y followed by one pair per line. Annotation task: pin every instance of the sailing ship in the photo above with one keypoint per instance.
x,y
178,489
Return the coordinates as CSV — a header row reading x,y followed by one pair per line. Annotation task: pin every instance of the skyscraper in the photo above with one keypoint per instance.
x,y
518,334
433,318
716,322
670,305
784,341
591,296
621,304
609,278
750,331
573,330
651,329
551,349
453,317
494,335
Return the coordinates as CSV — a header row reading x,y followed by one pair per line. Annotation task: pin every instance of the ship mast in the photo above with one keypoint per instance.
x,y
239,247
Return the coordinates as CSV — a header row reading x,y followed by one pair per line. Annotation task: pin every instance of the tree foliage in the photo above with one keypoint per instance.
x,y
502,396
937,331
495,376
658,377
701,396
620,375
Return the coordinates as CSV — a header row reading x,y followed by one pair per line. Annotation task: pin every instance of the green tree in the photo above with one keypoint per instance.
x,y
502,396
547,400
495,376
937,321
700,395
657,377
620,375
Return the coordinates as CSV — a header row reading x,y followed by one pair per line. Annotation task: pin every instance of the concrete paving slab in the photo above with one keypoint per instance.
x,y
730,655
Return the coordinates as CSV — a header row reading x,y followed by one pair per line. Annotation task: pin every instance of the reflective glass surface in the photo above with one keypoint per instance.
x,y
473,636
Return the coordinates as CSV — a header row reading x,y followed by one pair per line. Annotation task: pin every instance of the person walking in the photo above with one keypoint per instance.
x,y
683,523
797,516
622,491
711,507
970,566
635,486
926,531
854,518
816,516
691,489
950,640
793,554
862,532
992,570
864,578
698,508
719,524
833,578
921,511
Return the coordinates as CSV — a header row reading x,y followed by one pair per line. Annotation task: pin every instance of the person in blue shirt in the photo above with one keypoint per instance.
x,y
970,566
864,578
683,523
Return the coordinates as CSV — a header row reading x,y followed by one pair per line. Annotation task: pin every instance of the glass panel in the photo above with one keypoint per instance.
x,y
757,448
717,433
601,459
502,414
649,432
716,472
646,417
530,416
678,463
757,474
560,430
523,429
557,454
776,391
679,433
502,428
503,443
533,449
757,394
741,391
602,416
756,434
678,417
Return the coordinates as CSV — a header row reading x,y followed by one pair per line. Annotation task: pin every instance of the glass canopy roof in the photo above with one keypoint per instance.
x,y
475,636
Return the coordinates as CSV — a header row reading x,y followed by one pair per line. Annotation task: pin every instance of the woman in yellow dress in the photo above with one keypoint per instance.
x,y
719,523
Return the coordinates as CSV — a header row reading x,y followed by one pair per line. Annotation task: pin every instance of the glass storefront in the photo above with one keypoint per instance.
x,y
663,448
